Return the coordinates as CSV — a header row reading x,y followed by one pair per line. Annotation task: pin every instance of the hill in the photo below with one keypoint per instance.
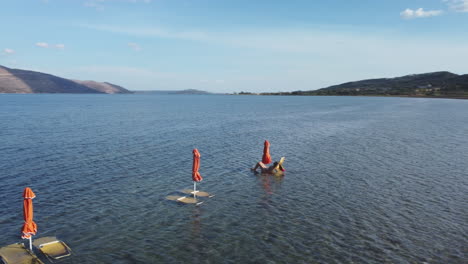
x,y
435,84
188,91
191,91
23,81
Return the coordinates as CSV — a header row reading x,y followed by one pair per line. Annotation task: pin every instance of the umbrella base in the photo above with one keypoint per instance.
x,y
197,193
182,199
52,248
17,253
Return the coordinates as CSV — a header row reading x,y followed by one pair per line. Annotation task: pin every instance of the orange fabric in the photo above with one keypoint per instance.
x,y
29,227
266,153
196,165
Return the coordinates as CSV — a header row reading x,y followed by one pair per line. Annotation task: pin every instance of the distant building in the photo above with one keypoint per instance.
x,y
427,86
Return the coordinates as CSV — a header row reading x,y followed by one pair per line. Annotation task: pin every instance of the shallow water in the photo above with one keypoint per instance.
x,y
368,180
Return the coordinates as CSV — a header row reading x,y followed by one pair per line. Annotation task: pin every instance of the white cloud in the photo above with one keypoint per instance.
x,y
42,44
8,51
46,45
134,46
458,5
419,13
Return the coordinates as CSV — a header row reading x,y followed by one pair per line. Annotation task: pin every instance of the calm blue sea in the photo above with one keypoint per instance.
x,y
368,180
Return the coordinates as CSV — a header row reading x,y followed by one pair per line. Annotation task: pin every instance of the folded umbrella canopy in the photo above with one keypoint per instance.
x,y
29,227
266,153
196,177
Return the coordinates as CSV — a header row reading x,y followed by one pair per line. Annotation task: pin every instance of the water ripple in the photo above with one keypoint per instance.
x,y
369,180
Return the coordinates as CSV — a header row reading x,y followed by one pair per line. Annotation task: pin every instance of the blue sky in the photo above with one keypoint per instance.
x,y
233,45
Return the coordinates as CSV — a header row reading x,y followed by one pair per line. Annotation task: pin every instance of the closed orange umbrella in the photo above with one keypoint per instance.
x,y
29,227
266,153
196,177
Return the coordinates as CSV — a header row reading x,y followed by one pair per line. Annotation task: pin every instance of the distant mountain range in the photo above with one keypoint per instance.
x,y
23,81
188,91
436,84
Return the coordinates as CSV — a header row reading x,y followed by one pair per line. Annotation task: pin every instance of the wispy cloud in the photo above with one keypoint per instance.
x,y
310,41
125,71
300,40
458,5
94,4
42,44
159,32
47,45
134,46
8,51
419,13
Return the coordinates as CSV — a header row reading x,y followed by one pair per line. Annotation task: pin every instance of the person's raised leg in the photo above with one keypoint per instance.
x,y
259,164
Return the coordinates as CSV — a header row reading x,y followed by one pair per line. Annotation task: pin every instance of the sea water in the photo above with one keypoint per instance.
x,y
368,180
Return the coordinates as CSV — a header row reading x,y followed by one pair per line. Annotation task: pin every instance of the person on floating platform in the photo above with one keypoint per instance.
x,y
266,159
276,167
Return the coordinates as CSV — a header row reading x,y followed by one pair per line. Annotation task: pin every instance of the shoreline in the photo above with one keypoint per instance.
x,y
399,96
